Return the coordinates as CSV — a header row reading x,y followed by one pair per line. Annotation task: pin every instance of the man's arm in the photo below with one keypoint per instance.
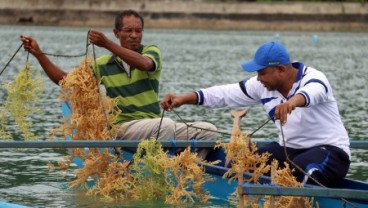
x,y
171,101
132,58
52,71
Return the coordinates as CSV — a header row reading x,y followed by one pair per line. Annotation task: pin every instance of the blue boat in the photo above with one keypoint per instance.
x,y
347,193
11,205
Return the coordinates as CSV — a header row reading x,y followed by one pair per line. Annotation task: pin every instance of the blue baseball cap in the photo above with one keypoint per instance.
x,y
269,54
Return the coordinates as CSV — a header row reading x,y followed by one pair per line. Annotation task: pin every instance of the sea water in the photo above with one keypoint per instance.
x,y
192,59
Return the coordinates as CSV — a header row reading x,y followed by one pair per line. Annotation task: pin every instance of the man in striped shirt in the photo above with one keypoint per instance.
x,y
131,74
300,101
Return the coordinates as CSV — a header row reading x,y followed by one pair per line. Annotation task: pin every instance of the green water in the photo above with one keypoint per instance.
x,y
192,59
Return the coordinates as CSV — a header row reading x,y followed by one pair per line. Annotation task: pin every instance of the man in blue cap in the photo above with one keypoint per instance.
x,y
300,101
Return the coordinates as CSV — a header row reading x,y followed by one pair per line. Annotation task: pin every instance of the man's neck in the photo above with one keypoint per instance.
x,y
289,81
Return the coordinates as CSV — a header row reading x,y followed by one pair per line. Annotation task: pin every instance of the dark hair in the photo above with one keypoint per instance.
x,y
129,12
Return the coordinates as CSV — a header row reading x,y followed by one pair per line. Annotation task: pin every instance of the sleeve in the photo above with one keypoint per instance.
x,y
154,53
96,69
232,95
315,88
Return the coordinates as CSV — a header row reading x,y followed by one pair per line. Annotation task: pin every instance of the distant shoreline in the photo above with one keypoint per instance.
x,y
298,16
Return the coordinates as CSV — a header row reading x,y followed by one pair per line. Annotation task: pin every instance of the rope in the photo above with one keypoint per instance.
x,y
27,66
159,126
70,56
48,54
99,94
251,134
301,170
65,56
295,165
220,132
116,149
190,125
6,65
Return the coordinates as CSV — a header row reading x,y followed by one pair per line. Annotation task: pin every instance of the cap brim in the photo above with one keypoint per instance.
x,y
251,66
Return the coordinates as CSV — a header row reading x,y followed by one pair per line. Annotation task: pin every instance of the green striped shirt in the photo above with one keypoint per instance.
x,y
137,91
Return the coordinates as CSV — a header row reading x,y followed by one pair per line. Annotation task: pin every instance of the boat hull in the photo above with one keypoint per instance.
x,y
221,188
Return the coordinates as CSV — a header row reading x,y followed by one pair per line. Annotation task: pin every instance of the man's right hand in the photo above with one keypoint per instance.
x,y
31,45
169,102
98,38
172,101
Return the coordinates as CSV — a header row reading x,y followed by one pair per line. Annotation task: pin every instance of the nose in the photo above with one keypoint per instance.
x,y
134,34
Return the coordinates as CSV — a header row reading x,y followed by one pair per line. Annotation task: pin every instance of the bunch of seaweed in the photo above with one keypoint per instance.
x,y
150,171
284,177
244,158
187,173
151,175
114,183
93,114
23,96
93,118
177,180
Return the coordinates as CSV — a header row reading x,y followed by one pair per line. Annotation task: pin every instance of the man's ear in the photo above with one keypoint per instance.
x,y
282,68
116,33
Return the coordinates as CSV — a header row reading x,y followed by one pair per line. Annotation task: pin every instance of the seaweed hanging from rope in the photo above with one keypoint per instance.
x,y
23,96
93,114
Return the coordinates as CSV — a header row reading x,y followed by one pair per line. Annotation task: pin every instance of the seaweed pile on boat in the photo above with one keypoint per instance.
x,y
151,175
176,179
284,177
244,159
23,96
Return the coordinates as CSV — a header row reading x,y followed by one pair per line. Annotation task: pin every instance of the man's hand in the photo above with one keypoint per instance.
x,y
170,101
31,45
97,38
282,110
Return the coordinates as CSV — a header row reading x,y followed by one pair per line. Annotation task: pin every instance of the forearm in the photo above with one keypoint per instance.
x,y
132,58
52,71
297,101
190,98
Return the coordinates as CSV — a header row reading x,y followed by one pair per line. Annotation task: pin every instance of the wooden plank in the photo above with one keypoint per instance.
x,y
253,189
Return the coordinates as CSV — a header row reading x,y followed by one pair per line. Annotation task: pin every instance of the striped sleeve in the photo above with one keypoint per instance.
x,y
225,95
315,88
154,53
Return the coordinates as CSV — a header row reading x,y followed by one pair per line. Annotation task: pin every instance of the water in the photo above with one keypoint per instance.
x,y
193,59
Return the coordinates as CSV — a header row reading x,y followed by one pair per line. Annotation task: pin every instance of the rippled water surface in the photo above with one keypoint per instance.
x,y
193,59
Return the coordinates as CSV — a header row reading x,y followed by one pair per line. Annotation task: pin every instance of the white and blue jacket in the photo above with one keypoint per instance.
x,y
318,123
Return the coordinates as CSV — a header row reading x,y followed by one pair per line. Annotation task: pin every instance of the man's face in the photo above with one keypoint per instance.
x,y
130,35
269,77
